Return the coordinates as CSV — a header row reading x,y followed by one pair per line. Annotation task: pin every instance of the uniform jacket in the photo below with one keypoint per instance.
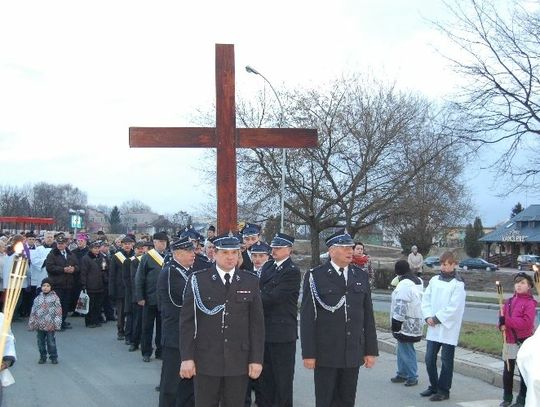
x,y
406,309
201,262
92,273
325,335
133,266
247,264
46,314
519,317
146,280
444,299
55,263
223,349
280,287
116,271
170,292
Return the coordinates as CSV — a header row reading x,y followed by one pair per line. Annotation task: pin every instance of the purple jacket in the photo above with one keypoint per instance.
x,y
519,316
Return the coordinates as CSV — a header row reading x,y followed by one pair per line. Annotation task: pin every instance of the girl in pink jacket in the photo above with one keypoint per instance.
x,y
516,320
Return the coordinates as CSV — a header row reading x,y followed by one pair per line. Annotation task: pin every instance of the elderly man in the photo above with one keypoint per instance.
x,y
146,294
337,325
416,260
222,329
174,391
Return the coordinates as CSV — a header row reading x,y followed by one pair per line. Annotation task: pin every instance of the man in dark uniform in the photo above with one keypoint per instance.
x,y
222,329
337,327
108,308
280,286
61,265
117,289
260,254
201,261
250,235
141,247
146,294
174,391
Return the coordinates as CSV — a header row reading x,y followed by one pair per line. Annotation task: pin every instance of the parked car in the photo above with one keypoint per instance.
x,y
526,261
432,261
477,264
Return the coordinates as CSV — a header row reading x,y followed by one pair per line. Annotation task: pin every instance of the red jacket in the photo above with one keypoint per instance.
x,y
519,317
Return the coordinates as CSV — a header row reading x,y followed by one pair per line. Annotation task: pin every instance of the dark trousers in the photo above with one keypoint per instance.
x,y
47,344
108,308
120,315
174,391
94,310
276,381
136,323
75,291
443,382
214,391
508,383
335,386
150,314
128,329
27,299
65,300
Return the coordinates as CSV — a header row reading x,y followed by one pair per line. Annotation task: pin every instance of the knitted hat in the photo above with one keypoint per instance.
x,y
46,280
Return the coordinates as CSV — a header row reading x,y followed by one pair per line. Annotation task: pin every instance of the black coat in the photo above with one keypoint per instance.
x,y
326,336
55,263
133,266
223,349
279,291
201,262
170,291
92,273
116,272
146,280
247,264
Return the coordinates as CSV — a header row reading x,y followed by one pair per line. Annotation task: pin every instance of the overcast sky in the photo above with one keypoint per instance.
x,y
74,76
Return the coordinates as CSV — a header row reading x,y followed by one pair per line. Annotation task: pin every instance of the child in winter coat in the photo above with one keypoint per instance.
x,y
516,320
46,318
407,322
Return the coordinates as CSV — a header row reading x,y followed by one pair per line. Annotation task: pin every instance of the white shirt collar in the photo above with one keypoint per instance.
x,y
222,272
279,263
345,269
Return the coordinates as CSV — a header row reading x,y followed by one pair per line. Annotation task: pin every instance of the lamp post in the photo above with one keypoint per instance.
x,y
284,151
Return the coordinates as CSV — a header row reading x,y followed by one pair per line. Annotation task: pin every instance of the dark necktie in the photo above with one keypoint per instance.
x,y
342,271
227,280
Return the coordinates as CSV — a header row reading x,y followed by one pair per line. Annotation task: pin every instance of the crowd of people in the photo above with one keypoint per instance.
x,y
221,312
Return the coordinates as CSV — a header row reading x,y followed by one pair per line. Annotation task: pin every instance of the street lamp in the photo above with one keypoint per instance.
x,y
284,151
76,219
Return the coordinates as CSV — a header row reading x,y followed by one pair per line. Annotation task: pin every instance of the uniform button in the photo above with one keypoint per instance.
x,y
348,333
226,301
225,340
226,326
348,306
348,320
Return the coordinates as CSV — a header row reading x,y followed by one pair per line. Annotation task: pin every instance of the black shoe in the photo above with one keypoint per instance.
x,y
54,361
439,397
67,323
112,319
42,360
91,326
157,388
505,404
127,342
157,356
398,379
146,358
428,392
133,348
411,382
120,337
64,327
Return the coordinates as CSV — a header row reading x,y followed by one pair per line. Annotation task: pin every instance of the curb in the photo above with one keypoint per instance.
x,y
466,362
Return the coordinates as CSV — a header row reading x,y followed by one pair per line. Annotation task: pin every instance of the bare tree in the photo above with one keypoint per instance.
x,y
498,54
369,152
134,206
14,201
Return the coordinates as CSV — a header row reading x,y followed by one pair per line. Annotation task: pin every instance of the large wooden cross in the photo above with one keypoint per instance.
x,y
225,137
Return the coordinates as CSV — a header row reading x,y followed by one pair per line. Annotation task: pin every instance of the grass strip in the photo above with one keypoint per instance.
x,y
484,338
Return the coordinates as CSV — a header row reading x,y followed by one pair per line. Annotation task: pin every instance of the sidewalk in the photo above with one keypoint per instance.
x,y
467,362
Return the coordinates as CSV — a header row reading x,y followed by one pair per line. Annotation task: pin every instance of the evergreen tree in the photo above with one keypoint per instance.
x,y
114,220
516,209
478,228
473,247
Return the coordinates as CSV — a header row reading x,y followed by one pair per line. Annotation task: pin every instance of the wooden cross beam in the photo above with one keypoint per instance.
x,y
225,137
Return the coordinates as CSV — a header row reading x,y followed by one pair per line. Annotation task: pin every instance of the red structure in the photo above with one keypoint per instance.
x,y
24,223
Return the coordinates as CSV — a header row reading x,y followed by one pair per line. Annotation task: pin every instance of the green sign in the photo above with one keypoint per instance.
x,y
77,222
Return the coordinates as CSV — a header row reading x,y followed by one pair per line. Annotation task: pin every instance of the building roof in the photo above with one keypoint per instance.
x,y
522,228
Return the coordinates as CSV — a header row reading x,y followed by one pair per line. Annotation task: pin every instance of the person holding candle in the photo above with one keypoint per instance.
x,y
516,320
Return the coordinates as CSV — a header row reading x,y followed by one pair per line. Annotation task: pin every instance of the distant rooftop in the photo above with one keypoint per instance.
x,y
522,228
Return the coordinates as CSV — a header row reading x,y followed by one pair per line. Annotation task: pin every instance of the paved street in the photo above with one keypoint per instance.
x,y
97,370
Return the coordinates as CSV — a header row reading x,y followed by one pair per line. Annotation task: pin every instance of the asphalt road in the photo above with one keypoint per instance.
x,y
472,314
96,370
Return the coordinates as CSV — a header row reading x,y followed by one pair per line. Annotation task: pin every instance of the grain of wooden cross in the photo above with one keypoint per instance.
x,y
225,137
